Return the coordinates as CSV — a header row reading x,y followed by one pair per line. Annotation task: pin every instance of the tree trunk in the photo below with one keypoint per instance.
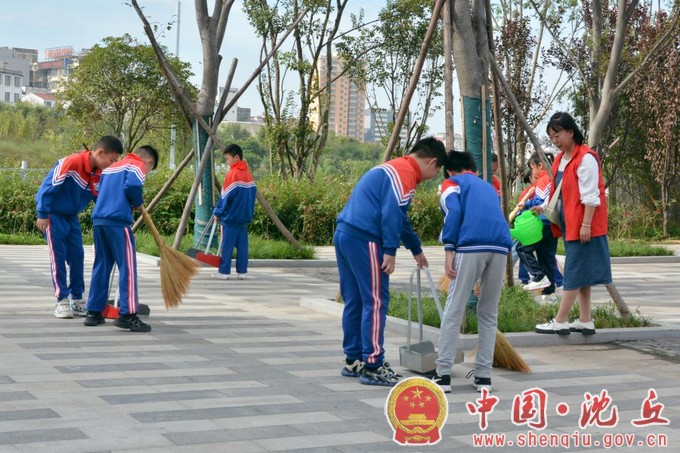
x,y
470,48
447,10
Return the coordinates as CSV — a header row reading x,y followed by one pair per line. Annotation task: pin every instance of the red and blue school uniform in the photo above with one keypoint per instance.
x,y
114,243
472,224
65,192
372,224
235,210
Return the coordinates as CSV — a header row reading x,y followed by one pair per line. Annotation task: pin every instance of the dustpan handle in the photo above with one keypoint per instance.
x,y
420,305
212,233
207,225
410,300
433,290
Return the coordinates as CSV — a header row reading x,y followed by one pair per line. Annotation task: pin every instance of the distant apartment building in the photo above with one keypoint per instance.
x,y
56,69
232,113
378,125
18,59
11,83
347,112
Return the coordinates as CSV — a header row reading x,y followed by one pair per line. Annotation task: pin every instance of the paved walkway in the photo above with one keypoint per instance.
x,y
241,367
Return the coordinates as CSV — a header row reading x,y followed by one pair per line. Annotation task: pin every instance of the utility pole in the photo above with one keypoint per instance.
x,y
173,128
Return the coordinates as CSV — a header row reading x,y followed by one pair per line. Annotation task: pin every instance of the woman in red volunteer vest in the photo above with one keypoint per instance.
x,y
583,225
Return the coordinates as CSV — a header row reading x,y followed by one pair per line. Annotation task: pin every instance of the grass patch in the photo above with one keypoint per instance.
x,y
620,248
21,239
258,248
517,312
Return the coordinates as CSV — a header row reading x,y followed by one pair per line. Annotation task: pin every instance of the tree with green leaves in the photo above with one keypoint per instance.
x,y
655,99
596,57
118,88
382,57
295,139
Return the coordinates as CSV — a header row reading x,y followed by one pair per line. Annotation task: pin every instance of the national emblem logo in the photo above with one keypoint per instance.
x,y
416,409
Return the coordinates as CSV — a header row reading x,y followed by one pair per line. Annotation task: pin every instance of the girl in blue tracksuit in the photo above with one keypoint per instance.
x,y
65,192
369,230
114,243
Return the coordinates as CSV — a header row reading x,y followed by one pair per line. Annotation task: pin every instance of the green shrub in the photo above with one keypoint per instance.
x,y
17,201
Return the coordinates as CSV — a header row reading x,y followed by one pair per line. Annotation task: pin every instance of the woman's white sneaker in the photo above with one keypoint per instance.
x,y
586,328
561,328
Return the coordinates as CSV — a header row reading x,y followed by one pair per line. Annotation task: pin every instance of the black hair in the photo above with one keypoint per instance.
x,y
526,177
460,161
536,159
234,150
494,157
429,147
562,121
109,144
151,152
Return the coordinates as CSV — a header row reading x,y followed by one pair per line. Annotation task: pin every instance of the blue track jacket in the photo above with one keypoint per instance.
x,y
237,198
69,186
376,210
473,219
120,191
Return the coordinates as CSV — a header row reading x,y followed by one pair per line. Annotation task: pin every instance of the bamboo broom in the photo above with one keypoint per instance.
x,y
176,268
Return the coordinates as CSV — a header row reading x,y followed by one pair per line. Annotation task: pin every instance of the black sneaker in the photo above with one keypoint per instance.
x,y
443,381
480,383
131,322
352,369
94,318
383,375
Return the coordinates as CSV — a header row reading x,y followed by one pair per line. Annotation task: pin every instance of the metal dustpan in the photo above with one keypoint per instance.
x,y
419,356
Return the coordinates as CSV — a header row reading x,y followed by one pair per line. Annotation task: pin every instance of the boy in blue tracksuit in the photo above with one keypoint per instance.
x,y
114,243
234,211
369,230
476,240
65,192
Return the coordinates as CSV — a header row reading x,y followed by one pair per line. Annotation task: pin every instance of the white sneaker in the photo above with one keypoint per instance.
x,y
220,276
543,283
241,276
586,328
552,326
63,310
78,307
548,298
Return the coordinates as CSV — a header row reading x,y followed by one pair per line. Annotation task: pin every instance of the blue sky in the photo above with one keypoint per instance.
x,y
41,24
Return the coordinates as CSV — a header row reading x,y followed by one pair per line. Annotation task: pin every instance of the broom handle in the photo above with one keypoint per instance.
x,y
149,223
524,199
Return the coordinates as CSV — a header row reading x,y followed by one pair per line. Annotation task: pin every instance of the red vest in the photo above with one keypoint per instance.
x,y
571,197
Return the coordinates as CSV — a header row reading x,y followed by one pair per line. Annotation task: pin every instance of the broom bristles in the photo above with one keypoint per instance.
x,y
505,356
176,270
444,283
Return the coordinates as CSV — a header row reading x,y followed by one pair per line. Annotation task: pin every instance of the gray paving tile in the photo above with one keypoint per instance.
x,y
112,367
166,380
320,441
40,435
228,435
27,414
16,396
